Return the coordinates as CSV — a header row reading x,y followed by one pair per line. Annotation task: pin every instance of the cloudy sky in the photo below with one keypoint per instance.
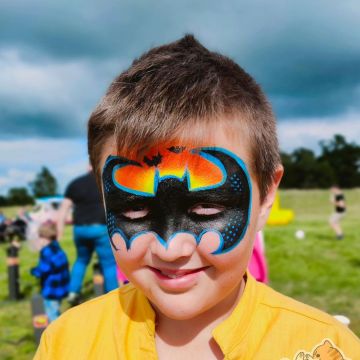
x,y
57,59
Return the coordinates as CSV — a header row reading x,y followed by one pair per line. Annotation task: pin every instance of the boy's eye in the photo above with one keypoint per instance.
x,y
206,209
136,212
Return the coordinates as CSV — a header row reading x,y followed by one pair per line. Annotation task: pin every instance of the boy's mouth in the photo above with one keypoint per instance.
x,y
176,273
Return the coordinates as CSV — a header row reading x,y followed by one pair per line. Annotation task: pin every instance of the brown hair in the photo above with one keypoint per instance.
x,y
47,230
181,86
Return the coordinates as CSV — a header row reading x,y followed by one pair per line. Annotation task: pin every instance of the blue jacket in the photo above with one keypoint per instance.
x,y
53,270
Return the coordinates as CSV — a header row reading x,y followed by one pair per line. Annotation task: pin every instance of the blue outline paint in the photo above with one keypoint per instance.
x,y
109,159
162,178
244,168
165,244
216,162
211,230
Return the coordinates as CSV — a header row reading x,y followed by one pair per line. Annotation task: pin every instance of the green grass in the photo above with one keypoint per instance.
x,y
317,270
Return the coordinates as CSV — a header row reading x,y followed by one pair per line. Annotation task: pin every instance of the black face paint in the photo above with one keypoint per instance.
x,y
165,207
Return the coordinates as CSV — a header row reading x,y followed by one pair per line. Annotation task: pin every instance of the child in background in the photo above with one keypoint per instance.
x,y
52,270
337,198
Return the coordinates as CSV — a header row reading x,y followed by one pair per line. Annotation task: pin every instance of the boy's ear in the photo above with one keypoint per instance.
x,y
266,205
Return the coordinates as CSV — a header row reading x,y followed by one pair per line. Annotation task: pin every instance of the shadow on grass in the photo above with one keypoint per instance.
x,y
355,262
324,237
25,338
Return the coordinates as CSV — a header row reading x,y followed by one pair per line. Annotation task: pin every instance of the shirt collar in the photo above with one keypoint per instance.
x,y
136,307
233,329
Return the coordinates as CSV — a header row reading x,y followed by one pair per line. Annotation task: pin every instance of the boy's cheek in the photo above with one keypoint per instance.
x,y
238,257
209,243
136,253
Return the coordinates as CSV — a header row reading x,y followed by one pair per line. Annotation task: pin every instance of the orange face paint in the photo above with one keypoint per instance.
x,y
174,162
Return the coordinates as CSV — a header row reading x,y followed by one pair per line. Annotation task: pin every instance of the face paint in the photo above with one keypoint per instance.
x,y
173,191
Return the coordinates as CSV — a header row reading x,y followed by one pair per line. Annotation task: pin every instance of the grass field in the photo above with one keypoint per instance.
x,y
317,270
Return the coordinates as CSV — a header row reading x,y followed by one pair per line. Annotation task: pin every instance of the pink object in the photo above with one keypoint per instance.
x,y
122,279
257,265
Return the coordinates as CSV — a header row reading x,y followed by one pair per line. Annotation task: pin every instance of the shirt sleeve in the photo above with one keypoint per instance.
x,y
346,342
43,268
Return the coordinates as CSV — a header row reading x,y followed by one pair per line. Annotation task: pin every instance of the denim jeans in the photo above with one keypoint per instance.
x,y
87,239
52,308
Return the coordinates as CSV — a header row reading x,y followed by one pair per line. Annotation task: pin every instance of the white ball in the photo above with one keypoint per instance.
x,y
343,319
300,234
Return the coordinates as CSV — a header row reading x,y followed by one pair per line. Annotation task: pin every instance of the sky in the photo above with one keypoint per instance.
x,y
58,58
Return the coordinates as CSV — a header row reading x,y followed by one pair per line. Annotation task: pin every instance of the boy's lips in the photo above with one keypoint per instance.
x,y
177,280
175,273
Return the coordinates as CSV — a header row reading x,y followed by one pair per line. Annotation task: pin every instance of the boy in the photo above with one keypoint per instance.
x,y
184,147
53,270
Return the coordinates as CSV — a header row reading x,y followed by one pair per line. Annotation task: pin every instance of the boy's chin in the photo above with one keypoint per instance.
x,y
185,306
177,310
209,302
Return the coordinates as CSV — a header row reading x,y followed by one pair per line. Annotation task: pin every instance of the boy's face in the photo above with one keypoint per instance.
x,y
182,222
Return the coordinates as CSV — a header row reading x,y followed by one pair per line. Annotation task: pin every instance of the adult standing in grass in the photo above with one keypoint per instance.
x,y
338,199
2,227
90,233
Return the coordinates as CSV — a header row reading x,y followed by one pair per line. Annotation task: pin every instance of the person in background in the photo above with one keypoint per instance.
x,y
90,233
338,199
2,227
52,270
2,218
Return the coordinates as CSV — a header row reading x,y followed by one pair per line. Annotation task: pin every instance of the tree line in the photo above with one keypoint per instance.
x,y
44,184
337,163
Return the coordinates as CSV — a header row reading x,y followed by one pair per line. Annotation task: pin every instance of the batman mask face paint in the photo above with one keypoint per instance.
x,y
176,190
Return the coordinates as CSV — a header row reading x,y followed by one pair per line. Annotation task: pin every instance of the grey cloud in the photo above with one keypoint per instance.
x,y
40,124
90,28
304,54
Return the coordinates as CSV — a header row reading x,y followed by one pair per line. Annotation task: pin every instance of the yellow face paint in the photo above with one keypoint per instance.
x,y
174,162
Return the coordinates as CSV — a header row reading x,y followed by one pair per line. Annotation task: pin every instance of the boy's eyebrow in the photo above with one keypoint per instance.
x,y
220,194
117,201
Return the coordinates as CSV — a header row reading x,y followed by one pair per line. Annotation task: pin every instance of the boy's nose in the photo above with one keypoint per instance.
x,y
183,244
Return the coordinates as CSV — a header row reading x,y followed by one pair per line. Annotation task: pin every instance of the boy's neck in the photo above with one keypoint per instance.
x,y
183,333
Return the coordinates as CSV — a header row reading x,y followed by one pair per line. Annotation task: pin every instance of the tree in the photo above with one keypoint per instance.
x,y
344,159
3,200
289,179
304,170
19,196
338,163
44,184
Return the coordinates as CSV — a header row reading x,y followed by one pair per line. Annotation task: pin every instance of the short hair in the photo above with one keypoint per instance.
x,y
180,86
48,231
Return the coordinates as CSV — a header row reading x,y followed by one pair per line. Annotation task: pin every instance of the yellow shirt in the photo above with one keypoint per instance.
x,y
265,325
